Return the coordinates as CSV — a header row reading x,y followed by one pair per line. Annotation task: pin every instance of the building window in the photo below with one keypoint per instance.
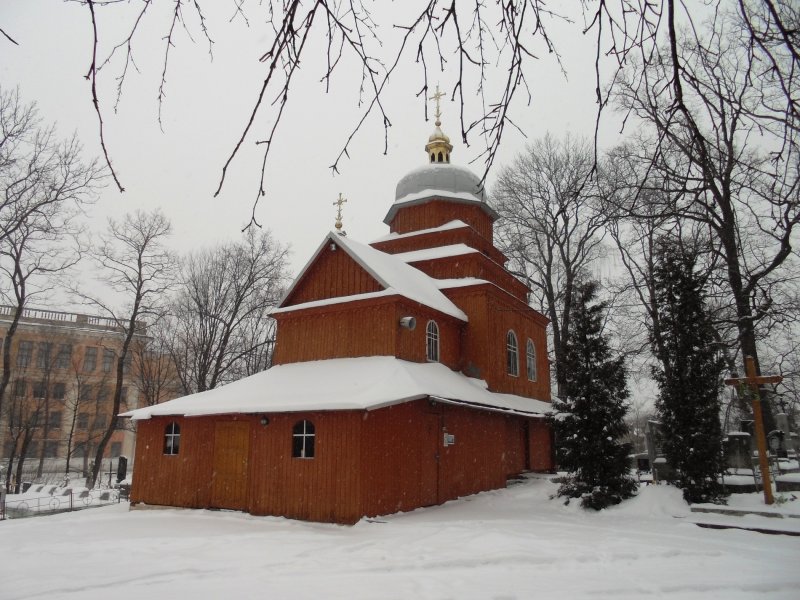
x,y
86,392
90,360
64,356
51,448
432,341
116,449
24,354
59,391
20,388
44,354
512,354
123,395
83,420
102,394
303,440
54,419
100,422
530,360
39,390
172,439
79,451
108,360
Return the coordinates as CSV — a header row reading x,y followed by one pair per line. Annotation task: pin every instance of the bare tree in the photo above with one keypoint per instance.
x,y
706,100
155,372
220,320
43,182
135,264
551,226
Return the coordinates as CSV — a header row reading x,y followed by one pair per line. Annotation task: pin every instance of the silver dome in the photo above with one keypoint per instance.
x,y
443,180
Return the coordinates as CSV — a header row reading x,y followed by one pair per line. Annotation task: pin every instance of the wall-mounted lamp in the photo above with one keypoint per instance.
x,y
408,323
333,247
264,420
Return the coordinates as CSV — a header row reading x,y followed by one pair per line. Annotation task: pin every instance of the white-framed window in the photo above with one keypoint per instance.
x,y
432,341
530,360
512,354
303,439
172,438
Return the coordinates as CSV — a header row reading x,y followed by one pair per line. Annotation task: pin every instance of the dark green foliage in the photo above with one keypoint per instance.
x,y
588,434
689,376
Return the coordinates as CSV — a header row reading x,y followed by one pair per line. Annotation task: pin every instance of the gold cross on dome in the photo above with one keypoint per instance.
x,y
436,97
338,204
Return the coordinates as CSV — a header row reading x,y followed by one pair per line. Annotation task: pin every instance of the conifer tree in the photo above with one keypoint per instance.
x,y
688,376
591,423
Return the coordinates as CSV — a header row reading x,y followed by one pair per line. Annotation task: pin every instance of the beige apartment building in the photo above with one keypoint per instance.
x,y
60,396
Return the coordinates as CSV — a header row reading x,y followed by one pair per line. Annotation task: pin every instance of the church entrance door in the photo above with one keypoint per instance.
x,y
231,454
429,469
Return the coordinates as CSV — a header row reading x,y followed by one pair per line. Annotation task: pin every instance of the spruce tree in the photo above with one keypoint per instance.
x,y
591,420
688,376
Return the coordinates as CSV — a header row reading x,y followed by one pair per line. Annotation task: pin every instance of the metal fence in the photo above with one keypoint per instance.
x,y
49,500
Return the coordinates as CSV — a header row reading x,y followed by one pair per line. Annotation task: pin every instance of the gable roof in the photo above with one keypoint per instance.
x,y
365,383
393,274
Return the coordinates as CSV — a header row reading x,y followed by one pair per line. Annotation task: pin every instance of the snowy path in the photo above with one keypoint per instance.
x,y
509,544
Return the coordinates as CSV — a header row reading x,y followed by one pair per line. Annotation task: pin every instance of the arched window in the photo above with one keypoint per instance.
x,y
303,440
172,438
432,341
530,360
512,354
440,157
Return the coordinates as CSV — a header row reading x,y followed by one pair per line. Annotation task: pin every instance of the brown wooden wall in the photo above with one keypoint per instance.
x,y
326,488
332,275
207,472
180,480
361,328
491,314
438,212
406,464
540,447
366,463
411,345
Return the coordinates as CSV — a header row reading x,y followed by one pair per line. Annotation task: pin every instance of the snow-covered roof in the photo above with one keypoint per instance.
x,y
437,252
392,273
365,383
455,224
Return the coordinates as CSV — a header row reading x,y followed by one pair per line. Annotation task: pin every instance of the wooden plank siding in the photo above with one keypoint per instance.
x,y
435,213
333,274
541,448
325,488
359,328
436,239
403,450
491,314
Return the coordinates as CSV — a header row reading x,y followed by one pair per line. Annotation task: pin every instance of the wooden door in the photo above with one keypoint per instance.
x,y
231,453
429,457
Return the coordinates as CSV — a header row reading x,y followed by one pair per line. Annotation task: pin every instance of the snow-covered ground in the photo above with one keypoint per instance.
x,y
507,544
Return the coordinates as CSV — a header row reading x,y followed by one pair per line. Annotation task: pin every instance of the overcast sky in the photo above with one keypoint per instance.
x,y
208,102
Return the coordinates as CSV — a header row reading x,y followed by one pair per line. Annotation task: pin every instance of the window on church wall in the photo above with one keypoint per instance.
x,y
432,342
512,354
303,440
530,360
172,439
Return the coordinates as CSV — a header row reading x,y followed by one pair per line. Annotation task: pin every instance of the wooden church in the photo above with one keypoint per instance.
x,y
408,372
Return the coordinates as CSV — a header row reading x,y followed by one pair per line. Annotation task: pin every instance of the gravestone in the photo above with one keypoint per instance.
x,y
737,450
653,436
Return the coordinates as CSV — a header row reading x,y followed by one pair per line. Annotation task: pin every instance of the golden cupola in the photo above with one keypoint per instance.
x,y
438,147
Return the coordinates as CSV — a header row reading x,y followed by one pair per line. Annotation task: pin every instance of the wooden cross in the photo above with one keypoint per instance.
x,y
338,204
436,97
753,381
